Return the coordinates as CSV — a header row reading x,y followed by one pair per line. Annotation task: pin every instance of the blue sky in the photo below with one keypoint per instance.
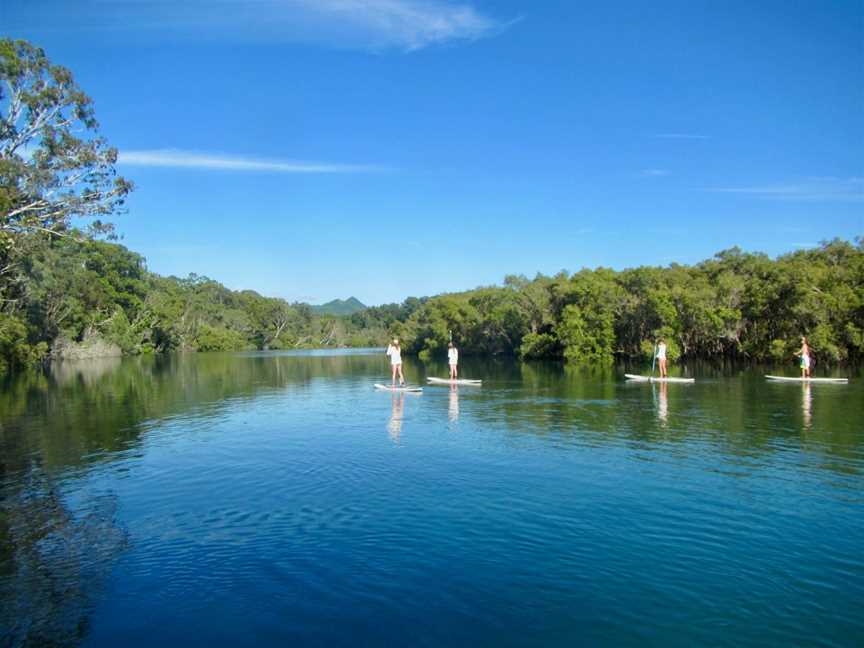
x,y
314,149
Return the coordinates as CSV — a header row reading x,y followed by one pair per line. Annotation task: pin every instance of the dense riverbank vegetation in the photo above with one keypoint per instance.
x,y
97,298
736,305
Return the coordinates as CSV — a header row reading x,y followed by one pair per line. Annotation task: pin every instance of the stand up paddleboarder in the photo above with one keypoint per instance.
x,y
661,357
453,359
395,353
804,354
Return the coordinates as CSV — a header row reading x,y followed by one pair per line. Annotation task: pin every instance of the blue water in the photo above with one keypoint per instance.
x,y
277,499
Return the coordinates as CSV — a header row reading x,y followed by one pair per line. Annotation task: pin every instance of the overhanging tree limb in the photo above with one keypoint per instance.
x,y
53,165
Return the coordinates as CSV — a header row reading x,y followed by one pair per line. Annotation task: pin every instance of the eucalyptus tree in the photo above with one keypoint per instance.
x,y
54,165
55,169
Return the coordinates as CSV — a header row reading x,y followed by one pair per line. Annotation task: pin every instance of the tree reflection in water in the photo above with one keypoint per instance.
x,y
58,548
52,563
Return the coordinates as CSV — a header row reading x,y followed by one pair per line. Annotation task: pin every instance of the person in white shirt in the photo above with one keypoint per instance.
x,y
395,353
804,354
661,358
453,359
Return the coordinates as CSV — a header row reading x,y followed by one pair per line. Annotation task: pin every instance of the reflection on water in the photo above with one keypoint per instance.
x,y
54,561
663,403
169,496
807,406
453,404
87,372
397,413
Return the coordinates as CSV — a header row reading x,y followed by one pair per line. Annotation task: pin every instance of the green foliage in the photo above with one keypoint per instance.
x,y
647,349
15,347
210,338
780,349
71,285
54,168
72,288
586,335
539,345
53,164
119,330
735,305
586,325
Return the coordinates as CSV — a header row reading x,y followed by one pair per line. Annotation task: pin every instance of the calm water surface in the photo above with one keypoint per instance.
x,y
267,499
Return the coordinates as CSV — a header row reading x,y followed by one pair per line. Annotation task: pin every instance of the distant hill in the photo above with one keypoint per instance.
x,y
340,307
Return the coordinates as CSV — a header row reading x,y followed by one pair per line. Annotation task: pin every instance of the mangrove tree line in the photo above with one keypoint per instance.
x,y
734,305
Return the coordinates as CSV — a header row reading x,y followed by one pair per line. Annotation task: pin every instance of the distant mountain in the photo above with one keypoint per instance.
x,y
339,307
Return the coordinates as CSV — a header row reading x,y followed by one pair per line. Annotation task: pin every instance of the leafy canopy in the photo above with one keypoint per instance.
x,y
54,166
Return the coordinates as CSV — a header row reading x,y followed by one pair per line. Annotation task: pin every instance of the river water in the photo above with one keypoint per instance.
x,y
278,499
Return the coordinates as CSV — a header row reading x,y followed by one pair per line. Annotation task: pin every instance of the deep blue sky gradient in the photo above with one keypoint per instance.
x,y
565,135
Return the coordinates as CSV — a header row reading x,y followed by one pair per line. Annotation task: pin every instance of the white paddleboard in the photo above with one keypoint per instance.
x,y
655,379
458,381
808,380
405,388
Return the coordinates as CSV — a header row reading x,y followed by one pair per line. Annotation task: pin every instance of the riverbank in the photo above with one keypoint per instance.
x,y
737,305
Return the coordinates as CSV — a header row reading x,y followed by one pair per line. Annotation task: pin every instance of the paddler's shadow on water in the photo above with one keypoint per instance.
x,y
397,413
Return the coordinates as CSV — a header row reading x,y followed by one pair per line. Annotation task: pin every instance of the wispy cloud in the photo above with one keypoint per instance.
x,y
409,24
368,24
824,189
681,136
654,173
195,160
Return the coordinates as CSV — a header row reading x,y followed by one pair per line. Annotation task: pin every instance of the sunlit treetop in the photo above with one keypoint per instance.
x,y
54,165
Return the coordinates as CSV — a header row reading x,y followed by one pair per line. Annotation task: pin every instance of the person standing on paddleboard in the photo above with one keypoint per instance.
x,y
661,358
453,359
804,354
395,353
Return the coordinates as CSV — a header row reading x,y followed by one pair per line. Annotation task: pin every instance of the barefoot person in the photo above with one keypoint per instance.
x,y
661,358
453,359
804,354
395,353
